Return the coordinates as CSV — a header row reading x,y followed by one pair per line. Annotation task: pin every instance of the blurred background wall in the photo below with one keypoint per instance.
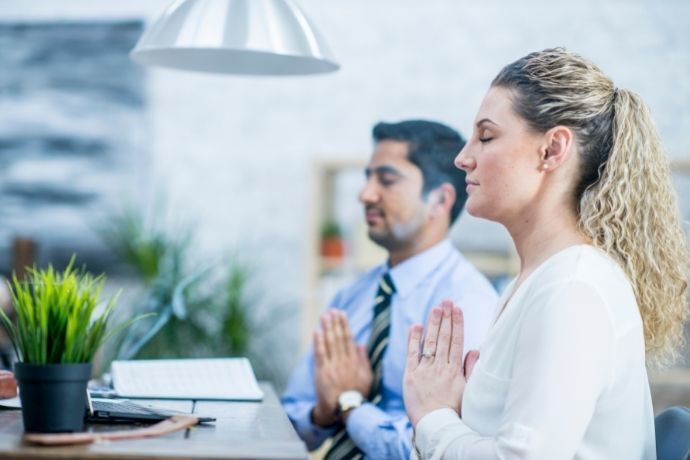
x,y
234,156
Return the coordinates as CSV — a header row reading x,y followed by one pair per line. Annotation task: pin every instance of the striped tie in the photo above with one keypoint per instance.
x,y
343,448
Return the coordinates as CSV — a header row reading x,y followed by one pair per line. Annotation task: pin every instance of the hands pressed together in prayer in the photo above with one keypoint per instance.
x,y
341,365
435,375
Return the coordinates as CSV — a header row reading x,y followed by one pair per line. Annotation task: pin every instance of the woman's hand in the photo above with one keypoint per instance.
x,y
435,378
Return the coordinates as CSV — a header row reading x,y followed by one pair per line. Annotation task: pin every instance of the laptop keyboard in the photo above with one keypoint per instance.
x,y
124,410
125,406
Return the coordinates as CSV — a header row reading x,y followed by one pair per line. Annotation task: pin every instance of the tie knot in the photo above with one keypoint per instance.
x,y
386,284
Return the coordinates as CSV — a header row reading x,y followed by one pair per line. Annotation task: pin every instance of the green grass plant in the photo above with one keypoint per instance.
x,y
57,317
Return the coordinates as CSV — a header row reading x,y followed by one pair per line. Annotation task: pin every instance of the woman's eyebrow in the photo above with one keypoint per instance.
x,y
485,120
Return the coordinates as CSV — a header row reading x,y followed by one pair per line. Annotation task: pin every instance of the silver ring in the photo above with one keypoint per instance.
x,y
428,354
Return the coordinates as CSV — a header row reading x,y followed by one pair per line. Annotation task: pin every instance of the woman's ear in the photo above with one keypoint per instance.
x,y
556,148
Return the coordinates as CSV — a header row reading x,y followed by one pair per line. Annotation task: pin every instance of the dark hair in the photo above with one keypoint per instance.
x,y
432,148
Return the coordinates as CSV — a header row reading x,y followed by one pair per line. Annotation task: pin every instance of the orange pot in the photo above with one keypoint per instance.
x,y
333,247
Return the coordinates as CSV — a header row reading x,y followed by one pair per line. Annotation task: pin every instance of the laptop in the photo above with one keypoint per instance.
x,y
125,411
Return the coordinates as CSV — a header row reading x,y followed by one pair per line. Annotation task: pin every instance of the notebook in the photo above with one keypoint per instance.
x,y
230,379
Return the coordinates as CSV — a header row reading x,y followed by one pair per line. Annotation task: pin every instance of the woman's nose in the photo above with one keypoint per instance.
x,y
463,159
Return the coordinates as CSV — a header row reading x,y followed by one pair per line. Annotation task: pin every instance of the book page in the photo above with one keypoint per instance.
x,y
222,379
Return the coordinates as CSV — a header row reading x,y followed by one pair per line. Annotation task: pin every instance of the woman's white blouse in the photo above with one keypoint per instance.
x,y
561,374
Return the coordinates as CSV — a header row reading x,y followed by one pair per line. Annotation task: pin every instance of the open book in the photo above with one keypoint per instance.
x,y
222,379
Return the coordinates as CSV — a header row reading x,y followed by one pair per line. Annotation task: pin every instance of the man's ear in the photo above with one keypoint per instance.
x,y
557,146
442,198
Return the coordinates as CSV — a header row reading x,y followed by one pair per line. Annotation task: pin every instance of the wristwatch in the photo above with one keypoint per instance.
x,y
349,400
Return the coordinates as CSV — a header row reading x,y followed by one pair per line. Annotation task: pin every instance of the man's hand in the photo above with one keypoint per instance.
x,y
341,365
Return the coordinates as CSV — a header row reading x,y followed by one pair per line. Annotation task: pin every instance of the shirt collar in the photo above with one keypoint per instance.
x,y
409,273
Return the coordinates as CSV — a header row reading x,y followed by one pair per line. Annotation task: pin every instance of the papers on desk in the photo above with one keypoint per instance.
x,y
230,379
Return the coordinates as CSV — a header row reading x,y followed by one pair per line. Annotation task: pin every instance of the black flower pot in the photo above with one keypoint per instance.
x,y
53,396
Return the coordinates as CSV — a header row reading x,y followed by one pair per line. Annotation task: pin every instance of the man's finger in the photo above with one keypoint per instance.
x,y
413,340
334,347
349,339
339,325
362,356
444,333
431,335
457,342
470,361
320,353
328,334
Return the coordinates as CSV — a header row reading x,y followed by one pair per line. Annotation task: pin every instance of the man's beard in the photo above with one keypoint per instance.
x,y
398,236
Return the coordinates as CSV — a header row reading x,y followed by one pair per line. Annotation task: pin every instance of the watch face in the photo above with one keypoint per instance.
x,y
350,399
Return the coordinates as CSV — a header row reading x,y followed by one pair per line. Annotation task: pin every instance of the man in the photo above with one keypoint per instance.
x,y
349,386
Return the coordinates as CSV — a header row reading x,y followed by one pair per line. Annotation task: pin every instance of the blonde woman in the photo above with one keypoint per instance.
x,y
573,167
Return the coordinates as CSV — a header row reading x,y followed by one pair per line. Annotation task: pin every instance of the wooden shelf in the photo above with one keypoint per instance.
x,y
670,388
680,166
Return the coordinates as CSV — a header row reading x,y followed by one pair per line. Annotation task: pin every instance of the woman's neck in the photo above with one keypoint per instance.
x,y
540,233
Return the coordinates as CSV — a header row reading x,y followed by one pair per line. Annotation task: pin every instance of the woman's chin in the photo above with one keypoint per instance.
x,y
475,210
480,211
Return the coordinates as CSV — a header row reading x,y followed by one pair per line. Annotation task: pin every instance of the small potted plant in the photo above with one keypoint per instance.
x,y
58,329
332,244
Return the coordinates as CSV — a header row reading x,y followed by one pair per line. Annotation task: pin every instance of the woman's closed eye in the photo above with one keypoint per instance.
x,y
485,136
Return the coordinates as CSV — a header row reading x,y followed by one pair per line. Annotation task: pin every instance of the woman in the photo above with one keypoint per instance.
x,y
574,169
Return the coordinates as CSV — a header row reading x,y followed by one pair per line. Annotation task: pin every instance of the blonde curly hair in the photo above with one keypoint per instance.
x,y
624,197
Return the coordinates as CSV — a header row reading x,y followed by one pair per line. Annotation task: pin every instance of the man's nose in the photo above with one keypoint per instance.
x,y
369,193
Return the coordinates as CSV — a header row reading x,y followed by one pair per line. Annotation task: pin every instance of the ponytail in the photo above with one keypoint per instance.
x,y
631,212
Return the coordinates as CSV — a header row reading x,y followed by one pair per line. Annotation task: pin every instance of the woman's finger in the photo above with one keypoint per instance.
x,y
444,333
457,337
413,339
431,335
470,361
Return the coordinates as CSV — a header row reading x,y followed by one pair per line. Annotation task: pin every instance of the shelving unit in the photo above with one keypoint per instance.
x,y
324,276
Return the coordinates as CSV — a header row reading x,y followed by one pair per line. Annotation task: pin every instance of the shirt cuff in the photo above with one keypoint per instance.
x,y
312,433
429,426
362,421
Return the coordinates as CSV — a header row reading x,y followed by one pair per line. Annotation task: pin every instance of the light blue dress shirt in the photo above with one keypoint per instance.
x,y
421,282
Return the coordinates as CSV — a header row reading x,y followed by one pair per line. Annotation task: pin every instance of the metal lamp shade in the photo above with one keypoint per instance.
x,y
246,37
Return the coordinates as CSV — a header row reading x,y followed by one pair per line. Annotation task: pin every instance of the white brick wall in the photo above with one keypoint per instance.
x,y
235,153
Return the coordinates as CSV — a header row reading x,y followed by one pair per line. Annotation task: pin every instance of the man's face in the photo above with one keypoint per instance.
x,y
396,213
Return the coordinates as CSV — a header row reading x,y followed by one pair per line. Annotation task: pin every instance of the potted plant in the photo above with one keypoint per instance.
x,y
57,331
332,244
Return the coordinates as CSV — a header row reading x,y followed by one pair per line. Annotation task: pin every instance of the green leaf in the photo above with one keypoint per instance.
x,y
55,316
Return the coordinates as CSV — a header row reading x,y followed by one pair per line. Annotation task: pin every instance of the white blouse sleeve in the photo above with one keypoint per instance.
x,y
563,362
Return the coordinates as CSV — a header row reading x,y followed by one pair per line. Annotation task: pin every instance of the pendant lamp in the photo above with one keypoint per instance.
x,y
242,37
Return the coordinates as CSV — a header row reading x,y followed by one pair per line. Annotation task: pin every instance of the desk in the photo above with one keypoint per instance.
x,y
243,430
